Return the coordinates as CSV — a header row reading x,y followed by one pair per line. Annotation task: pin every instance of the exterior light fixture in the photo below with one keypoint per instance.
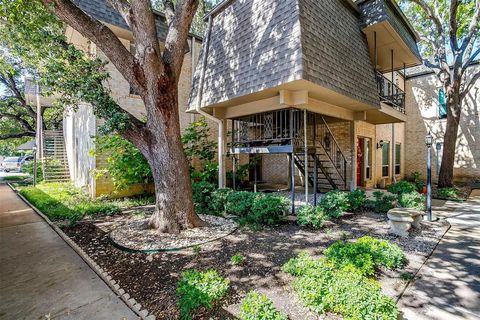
x,y
429,143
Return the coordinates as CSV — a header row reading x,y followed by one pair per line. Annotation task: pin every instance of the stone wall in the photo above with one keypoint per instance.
x,y
423,116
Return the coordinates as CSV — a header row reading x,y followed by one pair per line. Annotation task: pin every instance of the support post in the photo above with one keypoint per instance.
x,y
354,155
305,145
292,164
429,182
315,168
375,50
234,171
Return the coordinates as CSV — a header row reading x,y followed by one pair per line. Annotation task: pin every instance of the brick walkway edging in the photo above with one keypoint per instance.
x,y
136,307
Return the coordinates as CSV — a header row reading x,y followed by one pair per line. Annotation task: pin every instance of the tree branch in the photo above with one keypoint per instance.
x,y
9,82
453,26
177,36
473,27
24,123
103,37
470,84
17,135
431,14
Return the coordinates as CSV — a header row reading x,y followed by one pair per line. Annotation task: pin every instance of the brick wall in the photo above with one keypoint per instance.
x,y
422,116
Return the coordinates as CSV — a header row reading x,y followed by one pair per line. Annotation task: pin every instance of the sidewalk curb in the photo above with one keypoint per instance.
x,y
112,284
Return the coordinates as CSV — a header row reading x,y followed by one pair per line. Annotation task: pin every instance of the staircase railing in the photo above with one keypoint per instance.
x,y
332,149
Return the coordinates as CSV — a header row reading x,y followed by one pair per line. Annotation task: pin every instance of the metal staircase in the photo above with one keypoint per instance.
x,y
324,157
54,159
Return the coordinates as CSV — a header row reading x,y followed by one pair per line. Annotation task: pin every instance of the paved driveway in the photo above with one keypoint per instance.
x,y
41,277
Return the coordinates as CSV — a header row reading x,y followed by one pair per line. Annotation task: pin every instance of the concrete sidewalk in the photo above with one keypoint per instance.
x,y
448,285
41,277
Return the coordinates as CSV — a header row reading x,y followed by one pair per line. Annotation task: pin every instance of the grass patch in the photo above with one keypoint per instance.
x,y
15,178
63,201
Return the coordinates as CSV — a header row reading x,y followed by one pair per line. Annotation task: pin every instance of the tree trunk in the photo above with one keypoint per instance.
x,y
445,177
174,209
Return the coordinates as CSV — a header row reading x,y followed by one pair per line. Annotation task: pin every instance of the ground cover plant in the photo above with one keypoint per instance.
x,y
412,200
451,193
357,200
63,201
310,216
199,289
237,259
257,306
15,178
367,255
402,186
383,202
331,285
334,203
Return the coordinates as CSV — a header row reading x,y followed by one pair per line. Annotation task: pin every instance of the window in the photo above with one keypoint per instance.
x,y
398,153
385,158
368,159
442,104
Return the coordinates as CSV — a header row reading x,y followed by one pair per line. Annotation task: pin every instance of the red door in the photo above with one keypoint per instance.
x,y
360,147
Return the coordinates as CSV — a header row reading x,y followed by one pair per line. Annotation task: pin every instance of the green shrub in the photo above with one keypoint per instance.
x,y
267,210
219,200
237,259
199,289
334,203
401,186
202,194
356,200
257,306
239,203
448,193
383,202
310,216
323,287
412,200
366,255
418,181
63,201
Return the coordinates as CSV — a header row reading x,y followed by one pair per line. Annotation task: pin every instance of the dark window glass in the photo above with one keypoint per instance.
x,y
442,104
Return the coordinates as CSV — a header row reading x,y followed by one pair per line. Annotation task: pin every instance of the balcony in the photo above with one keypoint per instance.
x,y
390,93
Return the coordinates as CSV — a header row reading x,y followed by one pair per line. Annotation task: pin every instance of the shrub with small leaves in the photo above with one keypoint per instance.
x,y
199,289
218,200
310,216
334,203
383,202
401,186
202,194
267,210
237,259
239,203
256,306
412,200
356,200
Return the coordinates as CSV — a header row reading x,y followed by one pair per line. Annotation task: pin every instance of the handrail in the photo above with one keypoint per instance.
x,y
390,92
330,131
389,81
338,153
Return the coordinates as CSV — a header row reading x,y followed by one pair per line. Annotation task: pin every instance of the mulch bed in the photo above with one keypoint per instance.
x,y
151,278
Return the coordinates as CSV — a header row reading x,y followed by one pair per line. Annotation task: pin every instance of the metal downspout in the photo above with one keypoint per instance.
x,y
198,108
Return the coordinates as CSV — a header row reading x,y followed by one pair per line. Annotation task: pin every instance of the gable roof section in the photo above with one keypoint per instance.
x,y
261,44
101,10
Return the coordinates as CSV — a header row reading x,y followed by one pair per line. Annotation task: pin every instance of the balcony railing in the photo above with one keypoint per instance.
x,y
390,93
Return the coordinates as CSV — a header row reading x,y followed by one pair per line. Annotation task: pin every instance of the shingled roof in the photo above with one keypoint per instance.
x,y
261,44
101,10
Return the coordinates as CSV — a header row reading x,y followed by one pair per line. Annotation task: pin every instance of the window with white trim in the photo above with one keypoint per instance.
x,y
385,159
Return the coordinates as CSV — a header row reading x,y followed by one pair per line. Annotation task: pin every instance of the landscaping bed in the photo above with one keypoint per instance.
x,y
151,278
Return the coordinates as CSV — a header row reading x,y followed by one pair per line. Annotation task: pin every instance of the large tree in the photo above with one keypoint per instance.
x,y
450,42
17,117
153,72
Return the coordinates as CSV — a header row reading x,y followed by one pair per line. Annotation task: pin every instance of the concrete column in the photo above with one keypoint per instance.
x,y
353,143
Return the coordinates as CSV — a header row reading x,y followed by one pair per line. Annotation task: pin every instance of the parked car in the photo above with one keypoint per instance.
x,y
12,164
